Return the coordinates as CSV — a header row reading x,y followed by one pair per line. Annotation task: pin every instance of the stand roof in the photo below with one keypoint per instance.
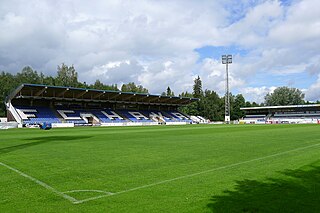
x,y
60,93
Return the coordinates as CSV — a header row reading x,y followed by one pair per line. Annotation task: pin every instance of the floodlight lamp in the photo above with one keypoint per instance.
x,y
224,59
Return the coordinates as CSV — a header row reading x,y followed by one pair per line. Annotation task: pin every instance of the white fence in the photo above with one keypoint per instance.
x,y
130,124
8,125
58,125
3,120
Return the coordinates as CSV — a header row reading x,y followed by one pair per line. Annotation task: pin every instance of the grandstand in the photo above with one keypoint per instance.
x,y
282,114
33,104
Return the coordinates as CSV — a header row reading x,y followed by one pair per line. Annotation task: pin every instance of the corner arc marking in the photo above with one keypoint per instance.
x,y
41,183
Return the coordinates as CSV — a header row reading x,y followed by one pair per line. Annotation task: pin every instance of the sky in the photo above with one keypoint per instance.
x,y
161,43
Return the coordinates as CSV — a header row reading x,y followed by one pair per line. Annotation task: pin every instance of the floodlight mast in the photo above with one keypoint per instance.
x,y
227,59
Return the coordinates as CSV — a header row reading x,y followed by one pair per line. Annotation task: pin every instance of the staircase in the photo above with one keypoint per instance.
x,y
14,113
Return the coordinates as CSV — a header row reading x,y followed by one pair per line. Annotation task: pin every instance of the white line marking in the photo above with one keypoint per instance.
x,y
195,174
50,188
88,190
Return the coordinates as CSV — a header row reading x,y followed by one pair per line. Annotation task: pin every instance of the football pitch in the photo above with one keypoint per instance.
x,y
193,168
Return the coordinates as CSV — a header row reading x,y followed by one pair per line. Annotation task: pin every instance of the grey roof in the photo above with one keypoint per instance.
x,y
282,107
38,91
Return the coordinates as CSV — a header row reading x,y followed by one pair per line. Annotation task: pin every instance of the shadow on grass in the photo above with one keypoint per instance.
x,y
40,140
298,191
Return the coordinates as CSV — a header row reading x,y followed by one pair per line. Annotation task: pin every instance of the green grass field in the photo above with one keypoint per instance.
x,y
194,168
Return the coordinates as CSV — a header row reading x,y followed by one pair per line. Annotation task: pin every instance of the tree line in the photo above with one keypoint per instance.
x,y
210,106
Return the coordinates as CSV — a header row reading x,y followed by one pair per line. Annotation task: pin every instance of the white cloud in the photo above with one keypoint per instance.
x,y
256,94
152,42
314,66
176,73
115,72
253,28
313,92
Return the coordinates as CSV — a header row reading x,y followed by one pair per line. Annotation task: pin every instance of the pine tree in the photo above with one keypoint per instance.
x,y
169,92
197,88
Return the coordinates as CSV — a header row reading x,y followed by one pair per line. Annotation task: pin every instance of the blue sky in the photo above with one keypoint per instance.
x,y
168,43
217,51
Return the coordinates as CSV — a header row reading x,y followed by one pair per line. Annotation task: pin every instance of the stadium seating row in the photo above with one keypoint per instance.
x,y
38,115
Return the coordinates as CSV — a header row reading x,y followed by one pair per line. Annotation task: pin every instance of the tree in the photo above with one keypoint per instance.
x,y
197,88
112,87
186,94
169,92
284,96
198,93
101,86
7,83
239,102
190,109
28,75
232,102
98,85
212,106
195,108
67,76
248,104
131,87
254,104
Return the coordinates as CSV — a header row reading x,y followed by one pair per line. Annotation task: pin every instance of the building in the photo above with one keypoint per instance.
x,y
282,114
32,104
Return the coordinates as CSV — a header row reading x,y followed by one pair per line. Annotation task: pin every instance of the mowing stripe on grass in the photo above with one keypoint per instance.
x,y
75,201
50,188
196,174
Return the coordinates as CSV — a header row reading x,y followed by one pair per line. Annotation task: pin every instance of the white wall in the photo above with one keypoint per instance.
x,y
8,125
3,119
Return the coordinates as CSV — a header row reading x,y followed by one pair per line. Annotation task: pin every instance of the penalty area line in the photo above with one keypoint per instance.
x,y
41,183
196,174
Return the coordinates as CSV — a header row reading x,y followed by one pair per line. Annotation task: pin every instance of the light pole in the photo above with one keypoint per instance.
x,y
227,59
